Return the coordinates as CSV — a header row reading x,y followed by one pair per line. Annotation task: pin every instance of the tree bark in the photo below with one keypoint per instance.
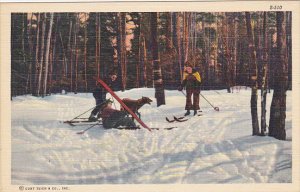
x,y
99,44
71,52
264,76
186,35
53,63
124,51
119,49
234,55
289,47
37,53
85,52
30,51
278,105
139,63
169,42
69,45
41,55
178,35
47,54
145,62
157,73
76,52
65,64
226,61
253,66
121,39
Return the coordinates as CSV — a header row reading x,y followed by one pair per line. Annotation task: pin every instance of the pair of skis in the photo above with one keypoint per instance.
x,y
179,119
125,128
82,121
94,123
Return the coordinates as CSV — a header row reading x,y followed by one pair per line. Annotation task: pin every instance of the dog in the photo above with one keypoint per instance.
x,y
135,105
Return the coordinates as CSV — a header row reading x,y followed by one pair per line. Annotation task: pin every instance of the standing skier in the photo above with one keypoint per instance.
x,y
100,93
191,81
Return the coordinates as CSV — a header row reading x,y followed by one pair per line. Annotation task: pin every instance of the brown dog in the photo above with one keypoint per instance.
x,y
135,105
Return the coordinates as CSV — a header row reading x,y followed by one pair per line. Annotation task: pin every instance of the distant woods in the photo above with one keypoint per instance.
x,y
51,52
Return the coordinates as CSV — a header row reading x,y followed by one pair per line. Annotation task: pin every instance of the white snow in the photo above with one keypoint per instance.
x,y
215,148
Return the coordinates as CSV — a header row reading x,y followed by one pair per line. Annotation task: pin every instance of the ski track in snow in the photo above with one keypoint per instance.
x,y
214,148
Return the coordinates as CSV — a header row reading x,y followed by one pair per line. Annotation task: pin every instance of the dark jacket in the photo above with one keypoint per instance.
x,y
99,92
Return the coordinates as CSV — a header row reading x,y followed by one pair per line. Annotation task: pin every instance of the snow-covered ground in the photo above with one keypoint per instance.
x,y
214,148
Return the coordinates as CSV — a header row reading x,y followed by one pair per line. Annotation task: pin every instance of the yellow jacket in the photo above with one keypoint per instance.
x,y
195,74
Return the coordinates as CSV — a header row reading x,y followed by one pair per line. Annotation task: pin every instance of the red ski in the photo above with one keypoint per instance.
x,y
123,104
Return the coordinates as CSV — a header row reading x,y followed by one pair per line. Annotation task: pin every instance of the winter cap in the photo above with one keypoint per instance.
x,y
188,64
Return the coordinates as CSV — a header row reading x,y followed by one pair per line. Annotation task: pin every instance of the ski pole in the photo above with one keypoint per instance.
x,y
215,108
86,111
83,113
83,131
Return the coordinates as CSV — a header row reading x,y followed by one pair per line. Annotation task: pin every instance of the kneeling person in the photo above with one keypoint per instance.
x,y
113,118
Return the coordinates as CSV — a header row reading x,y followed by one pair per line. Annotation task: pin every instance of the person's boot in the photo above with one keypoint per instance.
x,y
195,112
92,118
187,113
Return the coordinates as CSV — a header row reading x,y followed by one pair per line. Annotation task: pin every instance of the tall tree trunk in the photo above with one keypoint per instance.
x,y
53,62
145,62
225,44
278,105
71,53
30,51
99,44
65,64
234,56
121,46
258,28
169,42
41,55
47,54
121,40
85,52
177,62
139,63
119,49
24,37
178,35
157,73
264,76
124,51
37,46
68,68
76,52
253,69
289,46
186,35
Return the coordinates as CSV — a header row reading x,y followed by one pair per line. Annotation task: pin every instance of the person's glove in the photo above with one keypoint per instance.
x,y
180,88
191,78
